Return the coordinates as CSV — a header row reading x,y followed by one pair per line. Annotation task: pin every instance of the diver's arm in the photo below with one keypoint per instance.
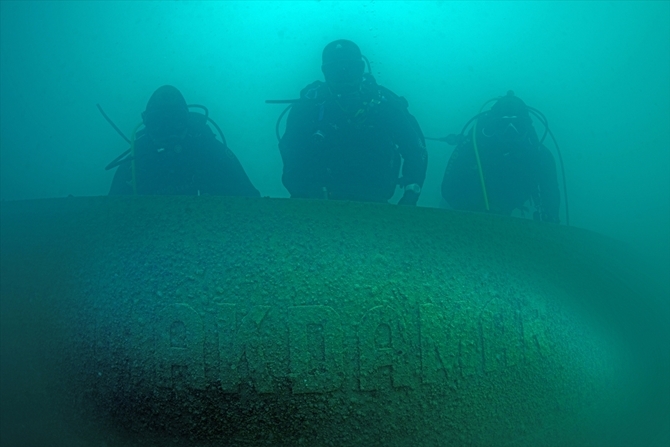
x,y
230,177
409,138
550,194
461,185
122,181
302,164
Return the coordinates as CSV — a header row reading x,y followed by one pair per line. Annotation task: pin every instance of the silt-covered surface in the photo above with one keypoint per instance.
x,y
223,321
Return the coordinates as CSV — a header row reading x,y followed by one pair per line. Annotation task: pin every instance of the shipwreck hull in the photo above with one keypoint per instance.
x,y
223,321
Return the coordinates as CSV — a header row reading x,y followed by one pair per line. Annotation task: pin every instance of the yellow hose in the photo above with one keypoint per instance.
x,y
479,163
132,158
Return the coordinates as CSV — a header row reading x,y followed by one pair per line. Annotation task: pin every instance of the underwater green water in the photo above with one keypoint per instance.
x,y
598,70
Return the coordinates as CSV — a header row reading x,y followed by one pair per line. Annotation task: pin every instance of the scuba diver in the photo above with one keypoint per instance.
x,y
176,153
501,165
346,137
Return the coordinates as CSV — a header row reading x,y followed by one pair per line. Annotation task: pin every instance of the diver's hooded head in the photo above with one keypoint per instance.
x,y
343,66
166,115
508,119
510,105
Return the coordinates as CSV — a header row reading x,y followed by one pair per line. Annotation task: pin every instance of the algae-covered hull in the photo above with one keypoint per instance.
x,y
219,321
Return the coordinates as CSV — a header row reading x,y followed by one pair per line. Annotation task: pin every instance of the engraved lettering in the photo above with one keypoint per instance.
x,y
180,341
243,341
385,347
315,347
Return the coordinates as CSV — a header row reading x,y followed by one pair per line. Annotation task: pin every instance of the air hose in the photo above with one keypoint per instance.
x,y
132,156
479,164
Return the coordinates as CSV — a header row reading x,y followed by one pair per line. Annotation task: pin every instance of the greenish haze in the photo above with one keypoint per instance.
x,y
598,70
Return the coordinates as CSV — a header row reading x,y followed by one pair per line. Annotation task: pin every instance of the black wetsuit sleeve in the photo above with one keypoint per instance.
x,y
550,194
409,138
461,186
226,176
302,163
122,181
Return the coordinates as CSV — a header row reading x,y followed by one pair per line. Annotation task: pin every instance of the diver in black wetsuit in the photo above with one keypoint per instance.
x,y
345,139
178,154
501,165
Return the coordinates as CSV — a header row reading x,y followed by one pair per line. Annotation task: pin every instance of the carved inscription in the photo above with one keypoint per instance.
x,y
180,347
453,343
315,349
382,341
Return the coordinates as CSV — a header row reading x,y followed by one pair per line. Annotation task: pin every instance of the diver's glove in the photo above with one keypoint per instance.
x,y
411,195
544,217
551,219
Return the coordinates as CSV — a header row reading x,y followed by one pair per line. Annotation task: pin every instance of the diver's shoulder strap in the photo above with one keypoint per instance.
x,y
197,125
196,119
399,102
315,91
392,98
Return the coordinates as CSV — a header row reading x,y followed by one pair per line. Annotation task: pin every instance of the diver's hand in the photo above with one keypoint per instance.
x,y
551,219
544,217
409,198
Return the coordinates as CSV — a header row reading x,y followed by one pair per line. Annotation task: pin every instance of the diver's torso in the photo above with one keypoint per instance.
x,y
509,171
360,158
179,169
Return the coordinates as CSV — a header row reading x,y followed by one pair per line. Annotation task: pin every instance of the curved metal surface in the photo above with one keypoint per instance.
x,y
224,321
